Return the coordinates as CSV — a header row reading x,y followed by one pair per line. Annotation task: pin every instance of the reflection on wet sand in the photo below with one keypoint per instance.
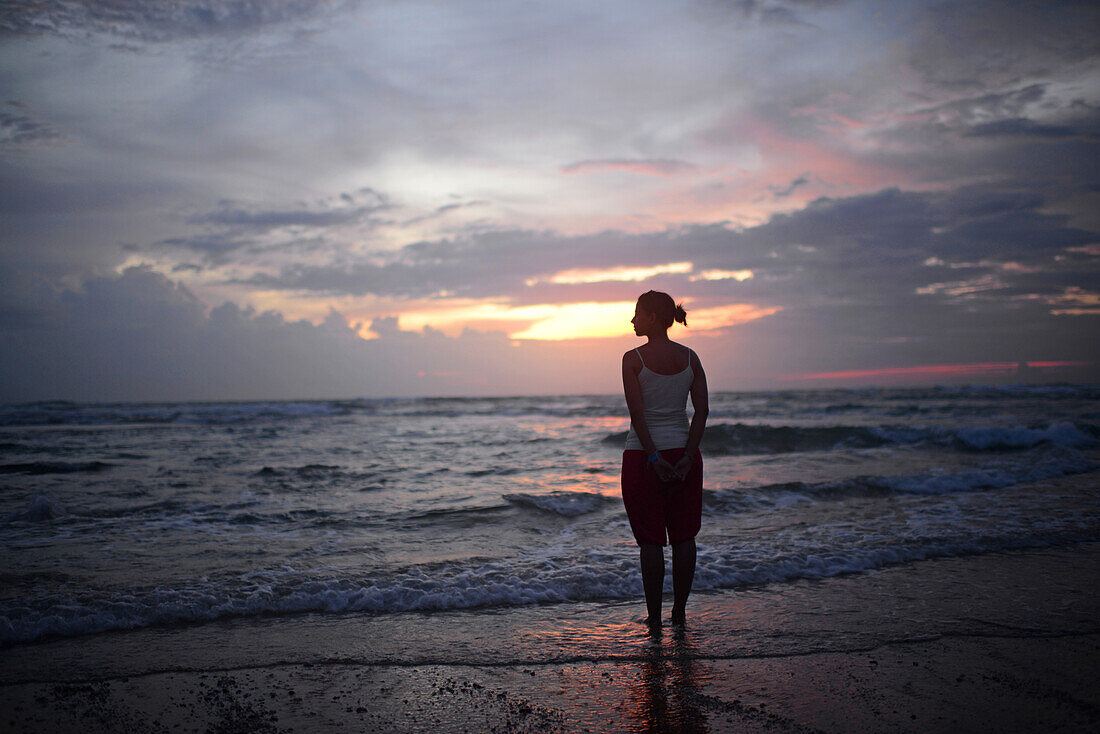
x,y
665,697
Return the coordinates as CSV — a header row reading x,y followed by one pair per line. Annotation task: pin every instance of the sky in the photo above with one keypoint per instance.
x,y
233,199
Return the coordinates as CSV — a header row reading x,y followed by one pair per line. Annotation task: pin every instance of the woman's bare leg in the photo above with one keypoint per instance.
x,y
683,573
653,579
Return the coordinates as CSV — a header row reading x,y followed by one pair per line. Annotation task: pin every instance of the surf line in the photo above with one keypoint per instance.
x,y
675,653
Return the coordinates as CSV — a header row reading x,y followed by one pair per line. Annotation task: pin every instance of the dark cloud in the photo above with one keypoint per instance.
x,y
482,264
398,279
769,12
781,192
840,336
440,211
969,110
903,251
233,226
997,42
153,21
451,207
1053,151
139,336
874,249
214,245
70,226
1007,114
359,207
1025,128
845,305
386,326
26,195
18,128
268,220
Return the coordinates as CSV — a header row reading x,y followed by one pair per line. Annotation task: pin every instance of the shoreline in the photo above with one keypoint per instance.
x,y
995,642
976,684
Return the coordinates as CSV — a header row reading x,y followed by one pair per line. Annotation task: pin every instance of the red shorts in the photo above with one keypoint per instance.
x,y
654,507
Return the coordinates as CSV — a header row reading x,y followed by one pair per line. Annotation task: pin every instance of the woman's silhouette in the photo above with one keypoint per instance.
x,y
662,477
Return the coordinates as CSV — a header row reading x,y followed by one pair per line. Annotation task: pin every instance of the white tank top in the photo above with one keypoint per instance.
x,y
664,402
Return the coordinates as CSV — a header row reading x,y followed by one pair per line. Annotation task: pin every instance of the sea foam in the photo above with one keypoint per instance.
x,y
455,586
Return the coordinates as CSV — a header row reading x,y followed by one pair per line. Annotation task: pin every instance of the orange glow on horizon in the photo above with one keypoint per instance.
x,y
579,321
451,317
595,320
567,321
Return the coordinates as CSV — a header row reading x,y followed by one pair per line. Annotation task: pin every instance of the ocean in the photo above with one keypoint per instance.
x,y
127,516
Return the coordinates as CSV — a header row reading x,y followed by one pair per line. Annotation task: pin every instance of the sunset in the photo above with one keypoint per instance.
x,y
833,187
653,366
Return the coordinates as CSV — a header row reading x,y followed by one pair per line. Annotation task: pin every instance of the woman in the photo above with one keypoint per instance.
x,y
662,476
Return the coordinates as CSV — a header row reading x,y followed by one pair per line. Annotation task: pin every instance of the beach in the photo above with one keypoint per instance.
x,y
997,642
888,559
356,358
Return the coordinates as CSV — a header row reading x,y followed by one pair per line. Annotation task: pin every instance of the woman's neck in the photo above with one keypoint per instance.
x,y
659,338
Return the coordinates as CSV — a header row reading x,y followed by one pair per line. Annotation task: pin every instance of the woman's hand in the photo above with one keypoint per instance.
x,y
677,472
682,467
665,470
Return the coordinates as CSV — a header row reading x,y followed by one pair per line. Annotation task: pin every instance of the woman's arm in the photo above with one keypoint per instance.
x,y
700,400
632,389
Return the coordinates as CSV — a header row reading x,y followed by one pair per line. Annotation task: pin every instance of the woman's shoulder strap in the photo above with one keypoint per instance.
x,y
639,356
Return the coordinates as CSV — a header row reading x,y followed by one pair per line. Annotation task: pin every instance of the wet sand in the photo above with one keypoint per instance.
x,y
994,643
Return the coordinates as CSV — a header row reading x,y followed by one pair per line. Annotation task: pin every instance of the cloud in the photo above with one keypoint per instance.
x,y
155,21
17,128
647,167
213,245
140,336
970,110
769,13
443,210
479,264
1027,112
1047,145
267,220
874,247
886,280
233,225
976,44
1025,128
925,173
781,192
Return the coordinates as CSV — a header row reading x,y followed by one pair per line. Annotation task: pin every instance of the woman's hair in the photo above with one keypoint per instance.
x,y
663,307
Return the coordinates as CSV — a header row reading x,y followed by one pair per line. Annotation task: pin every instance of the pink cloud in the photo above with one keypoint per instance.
x,y
826,163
